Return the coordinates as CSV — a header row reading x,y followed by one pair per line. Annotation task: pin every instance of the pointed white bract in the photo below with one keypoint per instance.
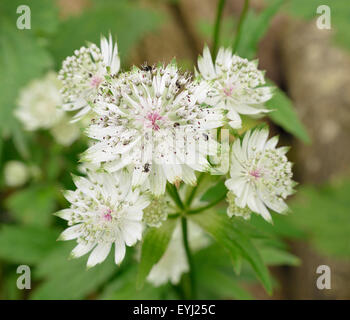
x,y
237,85
260,174
104,211
83,73
152,121
174,261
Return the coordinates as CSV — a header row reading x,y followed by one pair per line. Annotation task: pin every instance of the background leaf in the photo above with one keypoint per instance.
x,y
26,244
125,21
155,241
223,230
255,27
285,116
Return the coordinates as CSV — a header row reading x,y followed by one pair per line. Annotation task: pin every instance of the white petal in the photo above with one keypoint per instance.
x,y
81,249
119,250
99,254
70,233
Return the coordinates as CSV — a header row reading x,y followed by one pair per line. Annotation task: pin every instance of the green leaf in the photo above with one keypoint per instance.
x,y
255,27
155,242
215,192
285,116
69,278
225,232
277,257
22,58
33,205
43,13
323,214
26,244
215,277
123,287
125,21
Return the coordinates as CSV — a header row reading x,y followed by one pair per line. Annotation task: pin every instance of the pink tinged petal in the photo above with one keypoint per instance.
x,y
119,250
99,254
70,233
81,249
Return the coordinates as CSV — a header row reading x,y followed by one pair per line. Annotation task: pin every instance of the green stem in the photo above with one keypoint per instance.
x,y
194,190
216,34
208,206
239,26
175,196
193,292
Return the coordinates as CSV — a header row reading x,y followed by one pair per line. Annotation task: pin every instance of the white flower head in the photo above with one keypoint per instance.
x,y
152,120
38,103
104,210
260,174
237,85
83,73
157,211
16,173
174,261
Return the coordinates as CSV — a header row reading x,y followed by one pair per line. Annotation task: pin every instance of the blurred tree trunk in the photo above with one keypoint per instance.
x,y
317,78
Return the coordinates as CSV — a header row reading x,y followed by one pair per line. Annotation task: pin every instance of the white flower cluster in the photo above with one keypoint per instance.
x,y
154,125
39,108
237,85
83,73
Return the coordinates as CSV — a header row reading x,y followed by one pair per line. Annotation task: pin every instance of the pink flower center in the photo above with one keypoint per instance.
x,y
255,173
95,81
153,117
228,91
107,215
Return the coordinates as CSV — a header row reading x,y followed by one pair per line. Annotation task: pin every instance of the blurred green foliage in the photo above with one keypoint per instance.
x,y
340,16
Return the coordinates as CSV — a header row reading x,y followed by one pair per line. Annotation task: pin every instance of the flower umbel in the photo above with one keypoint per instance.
x,y
237,85
38,102
104,210
153,122
261,175
83,73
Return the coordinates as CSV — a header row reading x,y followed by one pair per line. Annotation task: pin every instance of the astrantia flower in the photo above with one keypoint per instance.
x,y
174,261
104,210
16,173
261,175
157,211
38,102
152,120
234,210
83,73
237,85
